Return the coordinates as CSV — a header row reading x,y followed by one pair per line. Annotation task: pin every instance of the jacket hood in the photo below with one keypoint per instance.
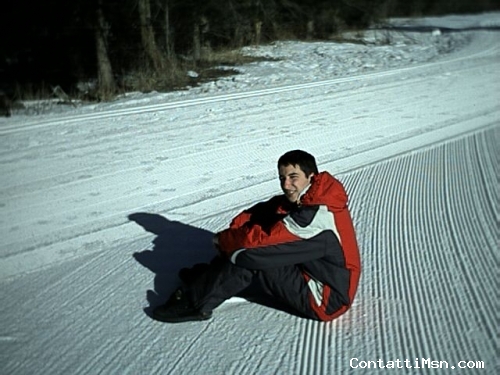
x,y
327,190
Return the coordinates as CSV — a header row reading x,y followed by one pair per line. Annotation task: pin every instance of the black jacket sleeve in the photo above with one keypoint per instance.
x,y
289,253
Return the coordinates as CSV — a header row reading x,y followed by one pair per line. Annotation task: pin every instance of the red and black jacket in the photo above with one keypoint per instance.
x,y
317,235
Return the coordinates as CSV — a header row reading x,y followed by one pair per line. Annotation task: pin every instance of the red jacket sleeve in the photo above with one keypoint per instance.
x,y
248,237
246,216
240,220
258,226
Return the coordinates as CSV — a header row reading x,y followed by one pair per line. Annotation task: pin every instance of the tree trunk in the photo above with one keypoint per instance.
x,y
105,72
148,36
5,105
310,30
205,50
201,45
196,42
168,35
258,31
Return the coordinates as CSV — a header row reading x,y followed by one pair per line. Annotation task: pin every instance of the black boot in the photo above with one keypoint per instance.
x,y
178,309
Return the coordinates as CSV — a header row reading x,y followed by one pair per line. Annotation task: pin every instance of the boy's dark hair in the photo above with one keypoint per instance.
x,y
304,160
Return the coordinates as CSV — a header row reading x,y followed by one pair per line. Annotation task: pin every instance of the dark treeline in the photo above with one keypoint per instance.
x,y
149,44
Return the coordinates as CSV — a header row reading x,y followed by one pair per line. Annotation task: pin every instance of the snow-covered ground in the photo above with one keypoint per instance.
x,y
102,204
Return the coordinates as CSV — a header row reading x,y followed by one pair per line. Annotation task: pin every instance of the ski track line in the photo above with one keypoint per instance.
x,y
51,284
455,176
75,211
164,130
326,160
484,241
101,224
258,337
484,164
487,205
98,225
314,127
61,184
182,356
373,263
384,230
152,133
141,165
147,330
93,307
81,171
430,190
415,199
98,204
96,282
432,201
165,127
400,200
109,135
142,193
113,187
96,285
457,185
473,232
461,222
464,174
450,287
120,216
310,102
191,102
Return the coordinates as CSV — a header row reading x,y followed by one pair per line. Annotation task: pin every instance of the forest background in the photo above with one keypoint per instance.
x,y
96,49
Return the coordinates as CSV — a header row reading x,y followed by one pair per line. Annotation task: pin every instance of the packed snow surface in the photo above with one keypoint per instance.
x,y
103,204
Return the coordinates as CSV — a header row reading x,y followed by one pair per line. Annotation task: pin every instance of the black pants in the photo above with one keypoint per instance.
x,y
223,280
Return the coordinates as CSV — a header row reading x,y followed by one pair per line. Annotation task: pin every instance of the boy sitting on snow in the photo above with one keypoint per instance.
x,y
299,247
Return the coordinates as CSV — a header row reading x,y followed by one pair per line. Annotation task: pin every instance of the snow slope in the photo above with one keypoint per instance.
x,y
102,205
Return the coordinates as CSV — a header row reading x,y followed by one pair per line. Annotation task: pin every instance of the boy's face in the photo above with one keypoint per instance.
x,y
293,180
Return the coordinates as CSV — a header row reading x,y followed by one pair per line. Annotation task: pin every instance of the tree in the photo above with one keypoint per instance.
x,y
148,36
106,80
168,31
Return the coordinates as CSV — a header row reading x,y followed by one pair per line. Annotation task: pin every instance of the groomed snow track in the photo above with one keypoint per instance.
x,y
417,149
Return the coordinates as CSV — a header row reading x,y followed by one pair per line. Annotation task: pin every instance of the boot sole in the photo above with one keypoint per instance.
x,y
181,319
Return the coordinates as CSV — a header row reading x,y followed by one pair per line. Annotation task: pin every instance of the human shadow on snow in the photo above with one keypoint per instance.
x,y
176,245
179,245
